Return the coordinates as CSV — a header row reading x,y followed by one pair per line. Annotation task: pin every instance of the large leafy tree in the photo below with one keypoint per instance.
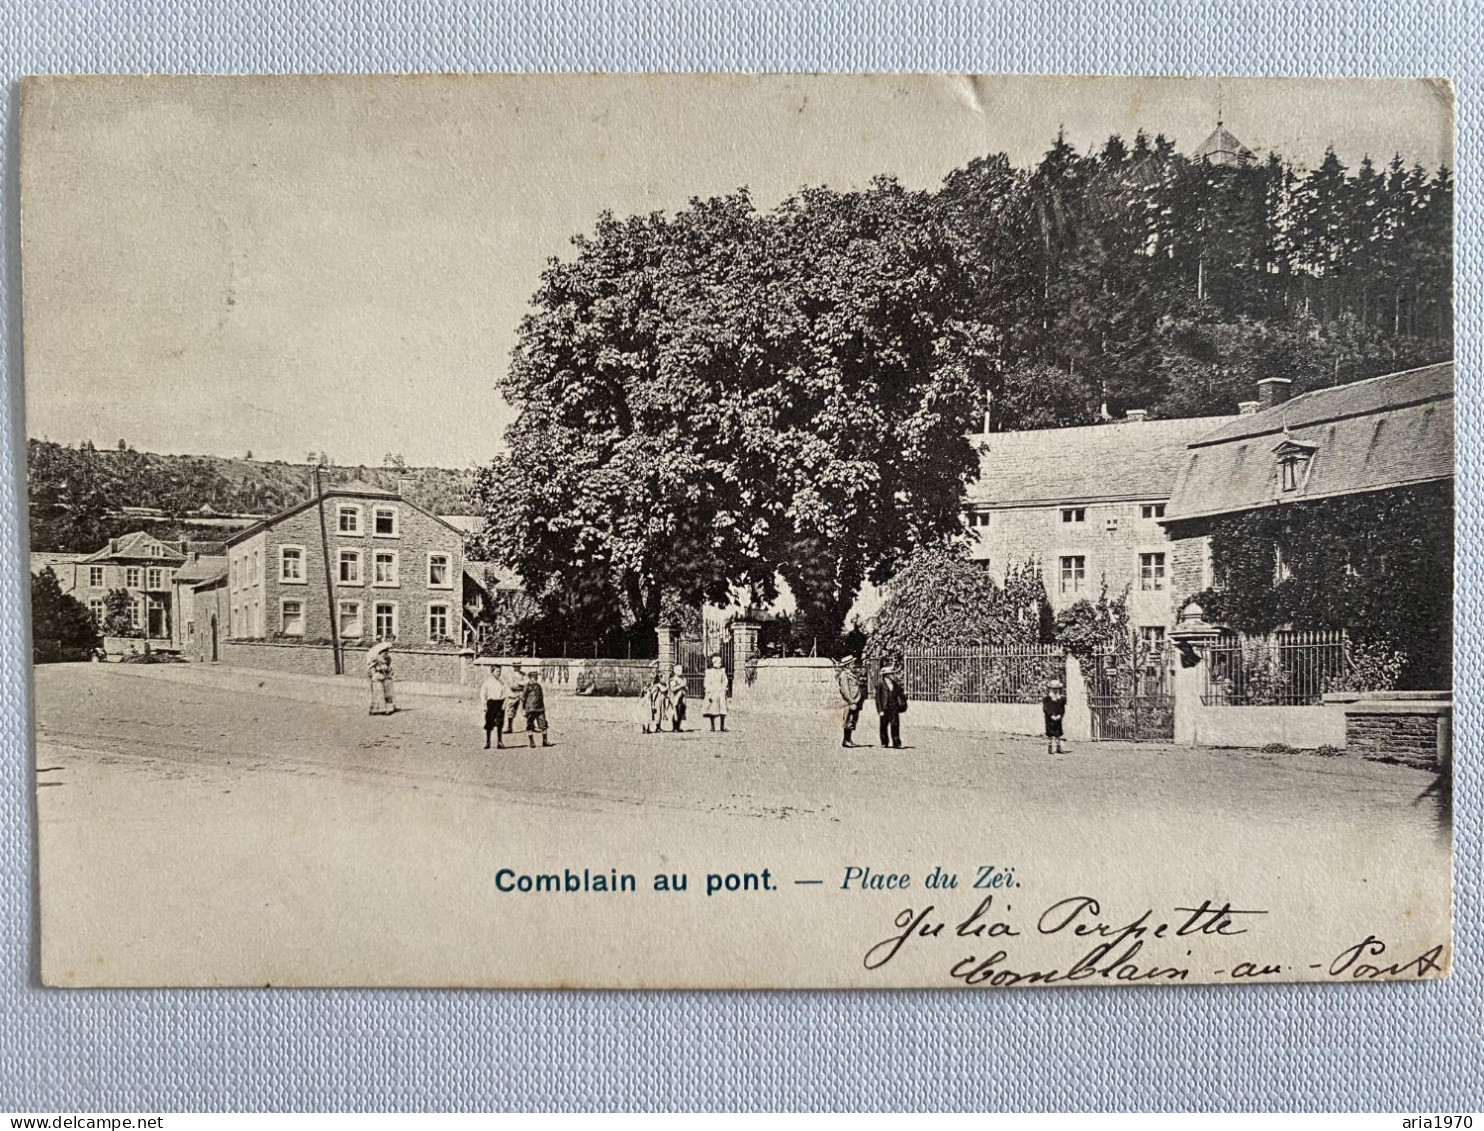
x,y
710,401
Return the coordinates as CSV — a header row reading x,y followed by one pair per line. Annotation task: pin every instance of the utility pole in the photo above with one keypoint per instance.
x,y
324,545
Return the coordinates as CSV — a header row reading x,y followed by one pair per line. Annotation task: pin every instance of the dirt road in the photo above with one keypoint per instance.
x,y
238,828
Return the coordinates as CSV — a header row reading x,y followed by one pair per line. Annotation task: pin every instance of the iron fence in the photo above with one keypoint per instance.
x,y
1009,674
1290,668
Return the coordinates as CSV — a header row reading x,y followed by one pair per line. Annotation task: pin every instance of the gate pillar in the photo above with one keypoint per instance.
x,y
667,649
1077,723
1188,682
744,652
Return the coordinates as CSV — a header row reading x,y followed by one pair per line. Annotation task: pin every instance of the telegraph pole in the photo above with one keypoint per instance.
x,y
324,545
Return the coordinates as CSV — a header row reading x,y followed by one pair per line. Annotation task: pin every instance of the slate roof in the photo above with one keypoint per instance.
x,y
1222,148
1389,431
217,575
136,546
1125,461
202,569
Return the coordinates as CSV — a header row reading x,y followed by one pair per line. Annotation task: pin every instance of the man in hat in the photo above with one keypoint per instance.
x,y
1054,708
851,680
891,701
533,706
492,691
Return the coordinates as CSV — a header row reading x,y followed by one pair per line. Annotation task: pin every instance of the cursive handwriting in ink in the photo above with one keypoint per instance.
x,y
909,924
1348,961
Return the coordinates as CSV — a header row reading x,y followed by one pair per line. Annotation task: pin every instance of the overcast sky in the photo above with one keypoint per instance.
x,y
340,264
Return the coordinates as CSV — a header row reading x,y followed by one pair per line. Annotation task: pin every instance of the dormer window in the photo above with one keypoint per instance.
x,y
1294,460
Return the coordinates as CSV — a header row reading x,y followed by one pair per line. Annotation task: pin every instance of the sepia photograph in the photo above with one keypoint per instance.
x,y
740,531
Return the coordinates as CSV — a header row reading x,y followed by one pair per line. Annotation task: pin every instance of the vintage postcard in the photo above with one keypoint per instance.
x,y
740,531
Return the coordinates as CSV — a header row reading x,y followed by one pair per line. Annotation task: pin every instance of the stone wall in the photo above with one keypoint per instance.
x,y
411,664
1413,728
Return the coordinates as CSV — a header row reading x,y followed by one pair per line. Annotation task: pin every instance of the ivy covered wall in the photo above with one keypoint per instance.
x,y
1379,565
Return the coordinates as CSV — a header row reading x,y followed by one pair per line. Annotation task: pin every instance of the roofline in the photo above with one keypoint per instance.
x,y
1268,504
1067,501
331,493
1210,442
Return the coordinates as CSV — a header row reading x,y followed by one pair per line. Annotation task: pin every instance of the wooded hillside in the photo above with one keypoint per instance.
x,y
76,493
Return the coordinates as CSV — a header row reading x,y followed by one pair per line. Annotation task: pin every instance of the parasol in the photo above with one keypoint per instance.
x,y
377,651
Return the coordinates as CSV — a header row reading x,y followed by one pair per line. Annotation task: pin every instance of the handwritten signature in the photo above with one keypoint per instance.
x,y
1116,948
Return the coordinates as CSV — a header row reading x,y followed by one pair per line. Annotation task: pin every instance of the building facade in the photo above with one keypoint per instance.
x,y
1387,441
1085,506
395,572
142,565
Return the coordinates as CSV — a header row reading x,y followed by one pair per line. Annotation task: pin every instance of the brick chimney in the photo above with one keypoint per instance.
x,y
1247,408
1273,390
1136,415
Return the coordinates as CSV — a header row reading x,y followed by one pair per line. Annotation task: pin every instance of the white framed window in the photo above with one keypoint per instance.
x,y
384,522
291,617
1152,510
136,612
1151,571
257,565
350,618
95,577
155,551
156,578
291,565
348,518
1073,573
438,620
1074,514
384,569
134,577
977,518
257,619
384,623
440,571
97,608
350,567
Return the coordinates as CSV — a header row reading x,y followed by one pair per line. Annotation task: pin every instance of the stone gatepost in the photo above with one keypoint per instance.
x,y
744,653
1189,686
1191,636
1077,722
667,640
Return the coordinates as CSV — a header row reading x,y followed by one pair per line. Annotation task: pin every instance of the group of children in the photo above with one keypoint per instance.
x,y
522,694
662,705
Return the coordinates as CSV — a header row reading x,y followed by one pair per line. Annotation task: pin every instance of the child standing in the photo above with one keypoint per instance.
x,y
675,698
1054,708
716,694
533,706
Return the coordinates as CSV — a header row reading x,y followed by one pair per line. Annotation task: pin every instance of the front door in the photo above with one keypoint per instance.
x,y
213,638
159,625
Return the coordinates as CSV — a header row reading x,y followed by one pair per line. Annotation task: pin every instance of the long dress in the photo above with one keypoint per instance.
x,y
381,697
652,708
716,693
675,702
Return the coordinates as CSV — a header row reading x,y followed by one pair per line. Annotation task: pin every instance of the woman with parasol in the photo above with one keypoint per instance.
x,y
379,668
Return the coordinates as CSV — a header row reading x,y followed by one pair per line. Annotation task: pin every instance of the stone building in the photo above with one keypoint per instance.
x,y
1085,505
1392,433
139,563
396,572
